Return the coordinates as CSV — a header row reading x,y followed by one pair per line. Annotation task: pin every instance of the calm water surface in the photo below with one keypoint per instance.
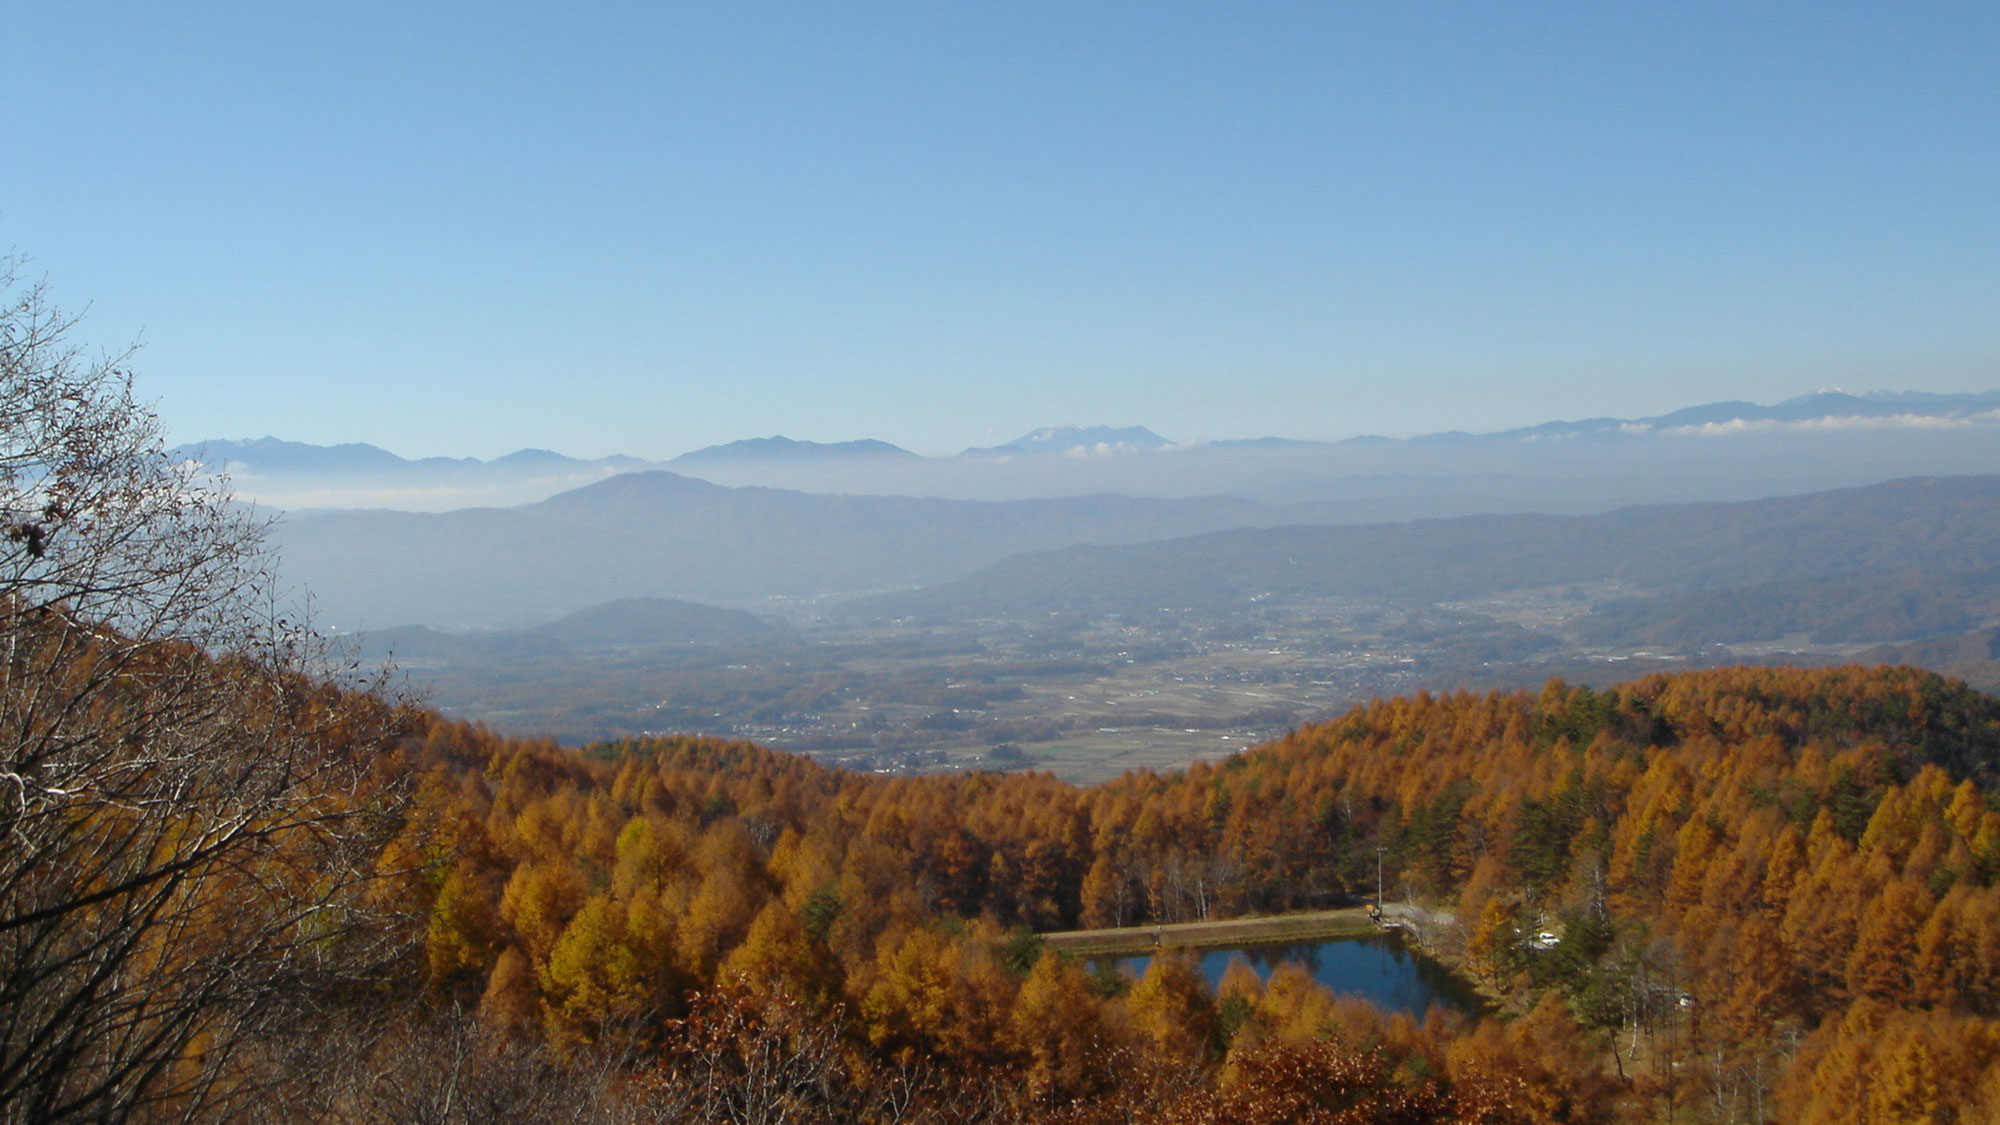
x,y
1381,969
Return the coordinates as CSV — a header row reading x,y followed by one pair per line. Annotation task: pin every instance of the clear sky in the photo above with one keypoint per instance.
x,y
464,229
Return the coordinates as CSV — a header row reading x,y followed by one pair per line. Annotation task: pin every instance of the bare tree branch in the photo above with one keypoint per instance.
x,y
188,816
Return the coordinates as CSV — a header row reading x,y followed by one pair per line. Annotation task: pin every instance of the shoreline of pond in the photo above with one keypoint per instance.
x,y
1344,924
1382,968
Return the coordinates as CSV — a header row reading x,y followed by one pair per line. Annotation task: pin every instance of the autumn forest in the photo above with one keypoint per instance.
x,y
1775,888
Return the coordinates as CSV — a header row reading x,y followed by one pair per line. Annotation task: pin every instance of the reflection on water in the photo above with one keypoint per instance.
x,y
1381,969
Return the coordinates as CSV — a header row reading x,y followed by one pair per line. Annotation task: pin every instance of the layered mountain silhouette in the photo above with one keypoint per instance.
x,y
1899,560
1718,451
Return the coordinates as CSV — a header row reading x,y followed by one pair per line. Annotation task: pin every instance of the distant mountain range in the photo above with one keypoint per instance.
x,y
293,475
1718,451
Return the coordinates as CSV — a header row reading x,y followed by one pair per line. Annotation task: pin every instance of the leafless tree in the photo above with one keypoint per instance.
x,y
188,822
447,1067
743,1060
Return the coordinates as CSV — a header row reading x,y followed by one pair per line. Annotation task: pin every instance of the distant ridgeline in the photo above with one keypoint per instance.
x,y
1765,890
1716,451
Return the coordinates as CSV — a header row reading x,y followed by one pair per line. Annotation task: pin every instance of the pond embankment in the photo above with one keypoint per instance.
x,y
1318,925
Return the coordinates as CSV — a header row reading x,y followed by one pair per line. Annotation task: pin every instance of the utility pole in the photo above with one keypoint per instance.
x,y
1378,876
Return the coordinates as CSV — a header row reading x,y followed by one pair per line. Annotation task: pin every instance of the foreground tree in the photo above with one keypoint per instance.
x,y
188,819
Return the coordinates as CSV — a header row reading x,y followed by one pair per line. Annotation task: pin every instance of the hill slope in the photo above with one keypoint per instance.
x,y
1940,524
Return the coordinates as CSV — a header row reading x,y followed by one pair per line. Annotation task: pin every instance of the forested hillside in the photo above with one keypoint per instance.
x,y
1772,888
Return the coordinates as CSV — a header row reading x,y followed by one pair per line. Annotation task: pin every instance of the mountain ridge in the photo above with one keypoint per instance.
x,y
1814,442
779,447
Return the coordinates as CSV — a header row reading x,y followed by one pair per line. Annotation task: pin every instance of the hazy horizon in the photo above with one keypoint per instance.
x,y
1171,441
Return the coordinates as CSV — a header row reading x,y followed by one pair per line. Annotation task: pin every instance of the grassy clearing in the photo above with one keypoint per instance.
x,y
1088,758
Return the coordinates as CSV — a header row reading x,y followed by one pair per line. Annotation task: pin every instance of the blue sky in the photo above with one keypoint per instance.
x,y
464,229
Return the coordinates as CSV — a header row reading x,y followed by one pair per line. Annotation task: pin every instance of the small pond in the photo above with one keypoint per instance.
x,y
1381,969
